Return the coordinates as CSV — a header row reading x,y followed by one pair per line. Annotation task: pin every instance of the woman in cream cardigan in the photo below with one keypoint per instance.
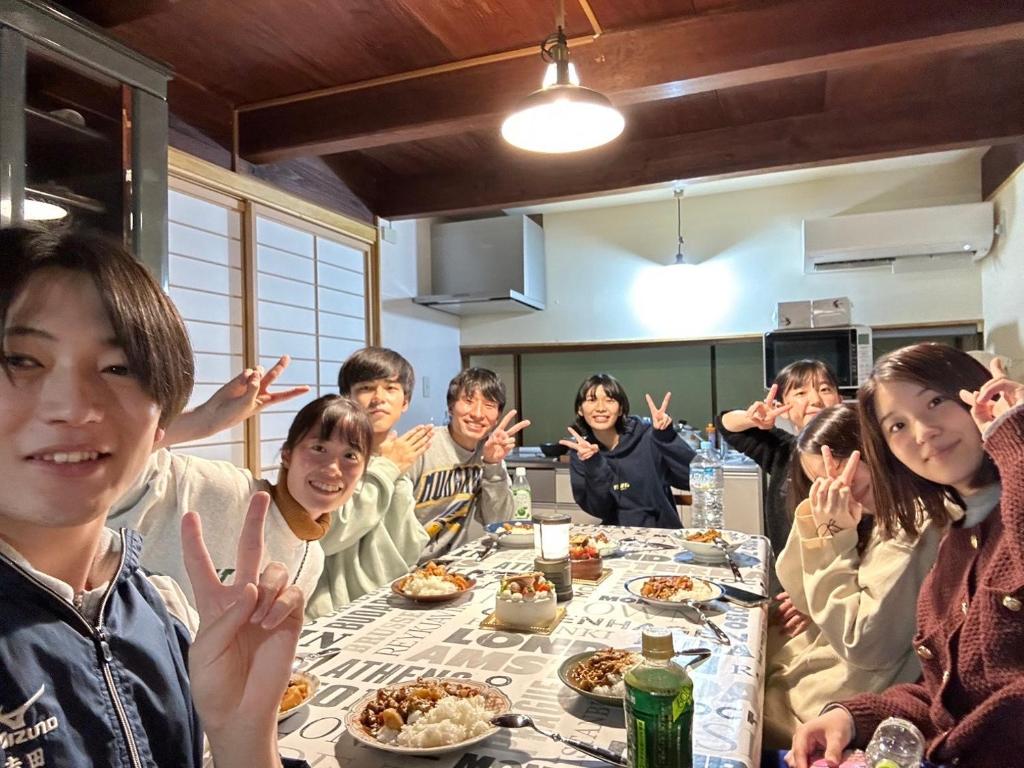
x,y
857,587
323,460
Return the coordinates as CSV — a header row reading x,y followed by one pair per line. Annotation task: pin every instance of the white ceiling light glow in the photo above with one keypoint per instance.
x,y
562,116
40,210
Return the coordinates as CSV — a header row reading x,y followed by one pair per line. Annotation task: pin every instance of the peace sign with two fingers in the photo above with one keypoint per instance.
x,y
996,396
583,448
240,662
501,441
659,415
833,506
763,413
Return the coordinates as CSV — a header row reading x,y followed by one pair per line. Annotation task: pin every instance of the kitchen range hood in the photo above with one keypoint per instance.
x,y
486,266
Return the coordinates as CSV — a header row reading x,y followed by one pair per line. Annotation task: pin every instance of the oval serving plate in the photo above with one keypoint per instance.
x,y
564,674
706,551
634,585
497,704
314,685
513,540
696,656
397,584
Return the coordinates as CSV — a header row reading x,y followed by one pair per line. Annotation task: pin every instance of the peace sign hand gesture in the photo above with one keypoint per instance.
x,y
502,440
996,396
659,415
240,662
763,413
832,504
579,444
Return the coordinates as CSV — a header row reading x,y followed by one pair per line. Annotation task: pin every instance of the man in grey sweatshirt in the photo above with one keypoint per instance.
x,y
461,483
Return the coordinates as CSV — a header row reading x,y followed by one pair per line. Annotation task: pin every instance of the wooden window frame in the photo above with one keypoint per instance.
x,y
252,197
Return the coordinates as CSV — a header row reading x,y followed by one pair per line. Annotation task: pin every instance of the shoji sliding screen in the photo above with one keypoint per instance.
x,y
310,303
205,281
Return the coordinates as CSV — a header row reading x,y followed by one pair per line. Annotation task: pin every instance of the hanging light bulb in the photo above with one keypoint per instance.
x,y
681,258
562,116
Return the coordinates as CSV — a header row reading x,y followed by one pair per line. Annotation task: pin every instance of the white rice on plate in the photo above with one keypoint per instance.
x,y
452,720
702,590
420,585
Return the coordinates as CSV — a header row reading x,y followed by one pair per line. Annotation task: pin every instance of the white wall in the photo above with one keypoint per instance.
x,y
607,279
1002,278
428,339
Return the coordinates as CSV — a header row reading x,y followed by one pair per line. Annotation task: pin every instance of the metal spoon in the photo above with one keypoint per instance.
x,y
513,720
723,546
301,661
706,622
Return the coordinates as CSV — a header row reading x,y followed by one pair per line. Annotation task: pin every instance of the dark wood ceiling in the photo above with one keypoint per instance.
x,y
402,99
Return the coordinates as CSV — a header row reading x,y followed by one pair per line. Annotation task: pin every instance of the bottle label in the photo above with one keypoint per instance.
x,y
682,703
522,501
659,728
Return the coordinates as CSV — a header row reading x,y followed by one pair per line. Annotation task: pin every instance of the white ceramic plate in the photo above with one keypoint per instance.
x,y
705,551
497,703
314,685
520,538
636,584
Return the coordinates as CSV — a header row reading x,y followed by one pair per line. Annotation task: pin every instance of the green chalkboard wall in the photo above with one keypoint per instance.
x,y
550,380
701,377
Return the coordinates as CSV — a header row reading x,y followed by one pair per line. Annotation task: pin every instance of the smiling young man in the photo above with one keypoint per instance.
x,y
381,381
461,482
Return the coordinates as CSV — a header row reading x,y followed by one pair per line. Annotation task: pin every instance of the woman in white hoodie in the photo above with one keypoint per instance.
x,y
323,460
857,586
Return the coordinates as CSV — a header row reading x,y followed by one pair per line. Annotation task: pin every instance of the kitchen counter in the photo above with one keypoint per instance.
x,y
532,457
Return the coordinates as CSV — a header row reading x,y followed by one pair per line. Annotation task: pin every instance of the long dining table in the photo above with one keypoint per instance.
x,y
383,639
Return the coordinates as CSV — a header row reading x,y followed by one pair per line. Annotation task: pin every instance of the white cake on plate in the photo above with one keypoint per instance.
x,y
524,601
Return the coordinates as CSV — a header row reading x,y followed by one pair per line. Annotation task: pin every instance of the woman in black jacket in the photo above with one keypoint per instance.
x,y
805,387
623,469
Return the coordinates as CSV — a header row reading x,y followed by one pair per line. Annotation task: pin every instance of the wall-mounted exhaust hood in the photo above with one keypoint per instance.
x,y
486,266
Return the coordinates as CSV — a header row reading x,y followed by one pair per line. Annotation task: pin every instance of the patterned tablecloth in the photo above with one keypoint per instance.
x,y
386,639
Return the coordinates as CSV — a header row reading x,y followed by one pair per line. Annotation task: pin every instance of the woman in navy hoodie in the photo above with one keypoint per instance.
x,y
623,469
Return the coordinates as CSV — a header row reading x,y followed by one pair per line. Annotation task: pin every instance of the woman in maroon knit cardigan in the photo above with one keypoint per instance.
x,y
942,430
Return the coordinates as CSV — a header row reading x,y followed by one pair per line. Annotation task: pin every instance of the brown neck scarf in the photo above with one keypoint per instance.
x,y
298,519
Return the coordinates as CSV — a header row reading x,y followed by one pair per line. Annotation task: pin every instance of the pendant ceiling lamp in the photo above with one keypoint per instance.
x,y
681,258
562,116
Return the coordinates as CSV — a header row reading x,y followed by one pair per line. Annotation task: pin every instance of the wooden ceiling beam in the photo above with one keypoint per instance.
x,y
885,127
660,61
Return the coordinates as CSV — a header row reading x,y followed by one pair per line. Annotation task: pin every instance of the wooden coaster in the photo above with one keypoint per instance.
x,y
491,622
605,573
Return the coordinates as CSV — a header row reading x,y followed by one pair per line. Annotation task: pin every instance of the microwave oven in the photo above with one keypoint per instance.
x,y
847,350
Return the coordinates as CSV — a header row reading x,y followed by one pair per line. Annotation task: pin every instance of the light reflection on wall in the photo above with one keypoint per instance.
x,y
682,300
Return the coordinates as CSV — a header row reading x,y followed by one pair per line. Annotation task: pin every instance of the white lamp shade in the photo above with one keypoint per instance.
x,y
40,210
563,118
552,537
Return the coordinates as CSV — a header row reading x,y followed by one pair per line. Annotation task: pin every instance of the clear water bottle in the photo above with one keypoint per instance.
x,y
522,496
707,484
897,743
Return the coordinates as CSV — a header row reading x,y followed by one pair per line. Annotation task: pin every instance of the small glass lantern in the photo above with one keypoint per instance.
x,y
551,549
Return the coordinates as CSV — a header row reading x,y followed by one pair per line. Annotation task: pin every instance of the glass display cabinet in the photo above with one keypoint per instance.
x,y
83,130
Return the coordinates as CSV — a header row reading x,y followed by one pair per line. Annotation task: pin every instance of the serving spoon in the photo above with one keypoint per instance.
x,y
513,720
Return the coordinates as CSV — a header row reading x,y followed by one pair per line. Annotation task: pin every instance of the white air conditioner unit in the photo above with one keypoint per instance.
x,y
917,238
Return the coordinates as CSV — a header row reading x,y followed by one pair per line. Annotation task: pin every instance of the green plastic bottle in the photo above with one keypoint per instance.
x,y
659,707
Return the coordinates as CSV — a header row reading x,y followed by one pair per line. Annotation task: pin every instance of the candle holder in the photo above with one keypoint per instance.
x,y
551,545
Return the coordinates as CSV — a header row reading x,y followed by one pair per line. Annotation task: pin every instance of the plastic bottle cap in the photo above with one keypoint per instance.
x,y
520,471
657,643
705,445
